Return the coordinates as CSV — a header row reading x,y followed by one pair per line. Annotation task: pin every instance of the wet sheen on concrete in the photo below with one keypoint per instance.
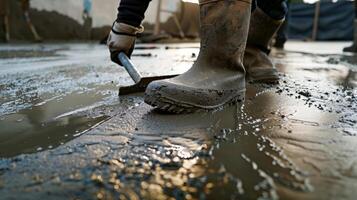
x,y
65,133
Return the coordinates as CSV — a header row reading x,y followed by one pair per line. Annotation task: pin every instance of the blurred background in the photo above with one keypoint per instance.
x,y
63,20
60,106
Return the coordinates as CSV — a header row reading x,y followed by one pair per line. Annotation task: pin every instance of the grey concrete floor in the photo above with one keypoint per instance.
x,y
65,133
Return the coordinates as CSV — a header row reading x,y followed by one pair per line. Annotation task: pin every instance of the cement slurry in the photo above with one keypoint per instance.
x,y
65,134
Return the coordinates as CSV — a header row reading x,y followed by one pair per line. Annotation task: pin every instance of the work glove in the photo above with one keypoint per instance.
x,y
122,39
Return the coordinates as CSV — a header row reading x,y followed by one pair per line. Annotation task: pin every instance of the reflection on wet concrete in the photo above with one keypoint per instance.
x,y
294,140
23,133
49,123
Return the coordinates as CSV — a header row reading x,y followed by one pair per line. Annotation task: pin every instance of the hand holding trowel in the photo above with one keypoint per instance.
x,y
122,39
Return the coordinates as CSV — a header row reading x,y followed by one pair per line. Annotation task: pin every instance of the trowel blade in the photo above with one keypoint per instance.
x,y
142,84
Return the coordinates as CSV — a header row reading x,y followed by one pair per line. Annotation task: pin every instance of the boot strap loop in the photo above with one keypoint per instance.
x,y
215,1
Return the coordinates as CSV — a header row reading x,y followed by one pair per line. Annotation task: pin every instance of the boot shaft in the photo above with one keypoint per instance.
x,y
224,28
262,29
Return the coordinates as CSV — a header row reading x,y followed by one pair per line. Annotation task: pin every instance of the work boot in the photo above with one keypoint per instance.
x,y
259,66
217,77
353,48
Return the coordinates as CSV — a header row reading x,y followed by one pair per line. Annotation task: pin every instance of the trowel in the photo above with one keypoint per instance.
x,y
140,82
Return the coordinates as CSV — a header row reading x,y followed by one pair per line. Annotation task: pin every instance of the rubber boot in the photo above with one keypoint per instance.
x,y
353,48
259,66
217,77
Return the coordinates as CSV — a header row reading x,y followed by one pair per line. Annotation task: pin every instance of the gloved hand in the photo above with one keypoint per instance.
x,y
122,39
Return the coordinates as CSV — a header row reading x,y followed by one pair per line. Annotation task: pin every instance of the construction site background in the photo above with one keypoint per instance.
x,y
65,20
69,20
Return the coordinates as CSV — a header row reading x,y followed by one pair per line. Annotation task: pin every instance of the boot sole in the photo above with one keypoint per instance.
x,y
268,80
350,49
171,106
271,78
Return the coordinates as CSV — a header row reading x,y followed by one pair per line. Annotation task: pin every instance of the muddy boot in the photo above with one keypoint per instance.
x,y
259,66
353,48
217,77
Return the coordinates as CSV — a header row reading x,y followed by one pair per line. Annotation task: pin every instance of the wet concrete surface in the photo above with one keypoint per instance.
x,y
65,134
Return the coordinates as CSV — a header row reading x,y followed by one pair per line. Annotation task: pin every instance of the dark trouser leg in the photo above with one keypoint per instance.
x,y
276,9
132,11
282,35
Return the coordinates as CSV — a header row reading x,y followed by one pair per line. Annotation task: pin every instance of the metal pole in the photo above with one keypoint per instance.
x,y
130,68
177,23
32,27
182,34
7,28
158,18
316,21
5,13
26,8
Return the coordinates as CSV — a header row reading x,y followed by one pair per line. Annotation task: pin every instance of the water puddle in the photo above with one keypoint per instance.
x,y
43,107
22,133
47,122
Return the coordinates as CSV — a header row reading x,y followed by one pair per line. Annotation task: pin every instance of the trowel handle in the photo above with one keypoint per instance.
x,y
129,66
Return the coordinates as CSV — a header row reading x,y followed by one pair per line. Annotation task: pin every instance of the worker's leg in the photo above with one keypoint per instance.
x,y
218,76
281,35
267,17
353,48
276,9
